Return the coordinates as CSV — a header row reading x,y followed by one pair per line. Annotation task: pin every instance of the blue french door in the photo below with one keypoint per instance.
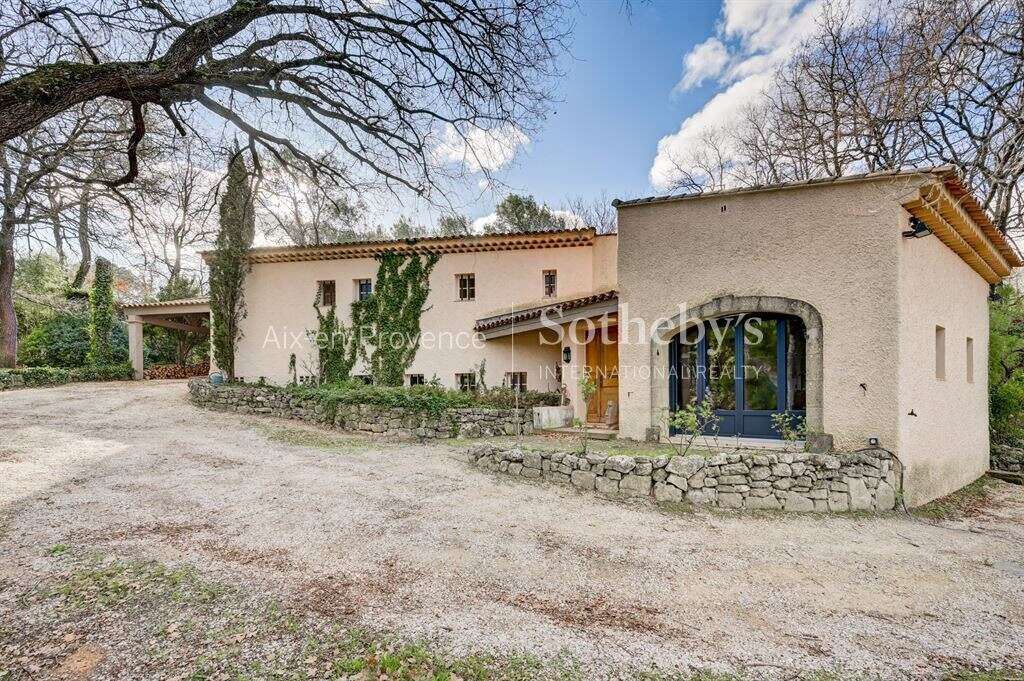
x,y
752,367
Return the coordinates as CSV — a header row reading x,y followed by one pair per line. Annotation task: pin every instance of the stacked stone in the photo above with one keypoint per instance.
x,y
365,418
1006,458
741,479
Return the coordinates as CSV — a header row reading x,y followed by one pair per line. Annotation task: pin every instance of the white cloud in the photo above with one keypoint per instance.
x,y
481,150
480,224
704,61
752,39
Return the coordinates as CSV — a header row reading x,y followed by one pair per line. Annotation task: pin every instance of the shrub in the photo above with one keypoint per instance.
x,y
63,341
423,398
35,377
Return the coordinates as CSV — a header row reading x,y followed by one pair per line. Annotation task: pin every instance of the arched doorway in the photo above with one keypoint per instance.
x,y
752,366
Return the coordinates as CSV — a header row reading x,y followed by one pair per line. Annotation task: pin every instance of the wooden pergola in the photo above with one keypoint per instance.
x,y
187,314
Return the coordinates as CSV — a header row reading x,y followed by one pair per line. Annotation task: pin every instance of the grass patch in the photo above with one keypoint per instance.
x,y
992,675
106,584
966,502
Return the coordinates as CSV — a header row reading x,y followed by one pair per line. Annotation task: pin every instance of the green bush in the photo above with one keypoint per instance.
x,y
63,341
35,377
423,398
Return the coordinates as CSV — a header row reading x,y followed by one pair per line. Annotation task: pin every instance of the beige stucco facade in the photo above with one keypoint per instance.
x,y
279,297
839,248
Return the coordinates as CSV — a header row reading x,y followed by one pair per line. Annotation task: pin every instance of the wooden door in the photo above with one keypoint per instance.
x,y
603,366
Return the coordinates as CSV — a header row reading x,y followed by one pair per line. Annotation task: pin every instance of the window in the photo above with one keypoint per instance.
x,y
940,353
467,286
366,380
516,380
326,292
467,382
970,360
550,283
416,379
364,287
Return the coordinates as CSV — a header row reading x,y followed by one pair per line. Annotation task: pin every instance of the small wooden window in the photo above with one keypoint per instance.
x,y
326,292
467,286
417,379
516,380
364,287
940,353
550,283
467,382
970,360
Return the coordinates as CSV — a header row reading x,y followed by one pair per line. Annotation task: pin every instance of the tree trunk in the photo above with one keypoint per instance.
x,y
83,242
8,316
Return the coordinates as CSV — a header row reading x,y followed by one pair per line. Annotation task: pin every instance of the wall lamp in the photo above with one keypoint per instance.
x,y
918,229
566,355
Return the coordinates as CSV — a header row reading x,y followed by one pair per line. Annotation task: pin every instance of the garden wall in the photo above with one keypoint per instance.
x,y
1006,458
741,479
366,418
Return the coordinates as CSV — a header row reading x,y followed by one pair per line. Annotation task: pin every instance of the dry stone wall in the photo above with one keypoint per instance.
x,y
365,418
741,479
1007,458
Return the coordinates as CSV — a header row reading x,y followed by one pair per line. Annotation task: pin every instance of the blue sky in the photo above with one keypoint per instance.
x,y
639,92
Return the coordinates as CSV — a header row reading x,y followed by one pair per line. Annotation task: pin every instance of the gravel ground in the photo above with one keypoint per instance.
x,y
407,539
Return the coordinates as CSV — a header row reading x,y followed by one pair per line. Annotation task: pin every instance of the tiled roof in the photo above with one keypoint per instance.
x,y
170,303
534,312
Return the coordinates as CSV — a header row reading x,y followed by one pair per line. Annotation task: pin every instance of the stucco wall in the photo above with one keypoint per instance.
x,y
833,246
279,297
945,446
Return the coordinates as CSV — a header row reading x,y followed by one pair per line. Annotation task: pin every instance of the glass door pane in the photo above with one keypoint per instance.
x,y
761,364
721,364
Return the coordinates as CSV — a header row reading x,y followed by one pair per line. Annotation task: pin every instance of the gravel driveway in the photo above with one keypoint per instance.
x,y
407,539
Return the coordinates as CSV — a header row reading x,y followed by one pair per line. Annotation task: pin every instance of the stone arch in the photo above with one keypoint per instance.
x,y
731,305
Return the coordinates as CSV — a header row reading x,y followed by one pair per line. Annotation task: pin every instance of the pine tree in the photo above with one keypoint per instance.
x,y
228,264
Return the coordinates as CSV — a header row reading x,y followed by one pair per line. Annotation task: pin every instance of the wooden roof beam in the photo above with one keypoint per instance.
x,y
946,204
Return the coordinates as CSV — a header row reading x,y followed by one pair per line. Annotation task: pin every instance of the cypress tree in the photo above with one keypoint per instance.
x,y
228,265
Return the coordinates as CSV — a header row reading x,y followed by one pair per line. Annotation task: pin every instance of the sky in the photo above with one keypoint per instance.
x,y
637,90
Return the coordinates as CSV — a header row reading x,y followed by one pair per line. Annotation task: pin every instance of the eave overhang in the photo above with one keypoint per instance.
x,y
534,317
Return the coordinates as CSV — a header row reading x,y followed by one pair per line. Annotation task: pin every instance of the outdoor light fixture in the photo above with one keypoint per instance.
x,y
917,229
566,355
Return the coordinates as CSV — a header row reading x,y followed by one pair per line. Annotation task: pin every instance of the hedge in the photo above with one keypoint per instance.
x,y
424,398
36,377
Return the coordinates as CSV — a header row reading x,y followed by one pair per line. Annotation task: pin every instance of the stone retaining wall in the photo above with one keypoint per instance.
x,y
747,479
366,418
1006,458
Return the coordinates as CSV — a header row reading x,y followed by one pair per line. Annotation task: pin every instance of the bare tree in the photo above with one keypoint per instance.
x,y
935,82
377,81
598,213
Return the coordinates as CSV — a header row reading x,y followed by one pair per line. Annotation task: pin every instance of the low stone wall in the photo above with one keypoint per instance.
x,y
1006,458
742,479
365,418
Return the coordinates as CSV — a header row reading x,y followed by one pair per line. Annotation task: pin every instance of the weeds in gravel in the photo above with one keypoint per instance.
x,y
964,503
107,584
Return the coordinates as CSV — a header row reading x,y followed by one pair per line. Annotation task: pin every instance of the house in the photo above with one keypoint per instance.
x,y
858,304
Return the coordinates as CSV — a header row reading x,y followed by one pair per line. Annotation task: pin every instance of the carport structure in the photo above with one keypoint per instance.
x,y
186,314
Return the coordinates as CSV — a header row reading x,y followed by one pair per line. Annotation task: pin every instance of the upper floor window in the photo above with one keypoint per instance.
x,y
516,380
550,283
467,286
467,382
326,292
969,352
364,287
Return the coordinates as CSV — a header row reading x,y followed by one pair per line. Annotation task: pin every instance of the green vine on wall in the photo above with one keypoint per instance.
x,y
101,309
388,322
337,346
